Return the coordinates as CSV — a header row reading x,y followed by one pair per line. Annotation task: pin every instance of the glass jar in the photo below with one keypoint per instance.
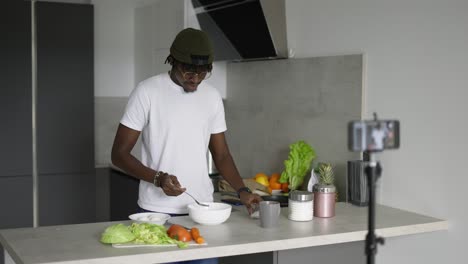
x,y
301,207
324,200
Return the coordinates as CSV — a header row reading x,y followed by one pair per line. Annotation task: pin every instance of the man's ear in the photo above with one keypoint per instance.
x,y
170,60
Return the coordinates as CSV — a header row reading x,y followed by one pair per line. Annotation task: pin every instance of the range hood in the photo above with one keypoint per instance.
x,y
244,29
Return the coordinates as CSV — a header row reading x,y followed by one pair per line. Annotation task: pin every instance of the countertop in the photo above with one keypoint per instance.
x,y
240,234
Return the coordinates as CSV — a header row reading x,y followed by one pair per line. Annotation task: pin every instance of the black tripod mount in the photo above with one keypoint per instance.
x,y
373,171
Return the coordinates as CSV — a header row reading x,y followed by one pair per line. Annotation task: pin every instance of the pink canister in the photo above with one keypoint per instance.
x,y
324,200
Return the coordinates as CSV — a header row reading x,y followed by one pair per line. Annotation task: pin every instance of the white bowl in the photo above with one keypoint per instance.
x,y
152,218
214,214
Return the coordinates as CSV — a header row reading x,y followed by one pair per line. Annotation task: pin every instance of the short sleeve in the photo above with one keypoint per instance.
x,y
137,110
218,124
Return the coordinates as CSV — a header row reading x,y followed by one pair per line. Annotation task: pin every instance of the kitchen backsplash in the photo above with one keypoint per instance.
x,y
108,112
271,104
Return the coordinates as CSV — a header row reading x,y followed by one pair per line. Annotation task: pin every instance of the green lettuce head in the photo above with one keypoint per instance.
x,y
116,234
298,164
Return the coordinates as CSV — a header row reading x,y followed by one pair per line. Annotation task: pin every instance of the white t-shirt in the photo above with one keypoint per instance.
x,y
176,128
378,135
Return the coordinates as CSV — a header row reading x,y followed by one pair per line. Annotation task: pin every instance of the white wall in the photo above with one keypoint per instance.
x,y
113,47
114,42
417,65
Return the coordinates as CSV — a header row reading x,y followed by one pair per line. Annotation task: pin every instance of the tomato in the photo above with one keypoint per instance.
x,y
179,233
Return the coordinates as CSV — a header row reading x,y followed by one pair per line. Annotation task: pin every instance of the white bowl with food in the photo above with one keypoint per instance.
x,y
214,214
152,218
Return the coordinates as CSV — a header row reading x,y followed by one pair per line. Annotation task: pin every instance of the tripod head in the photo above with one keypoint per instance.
x,y
373,135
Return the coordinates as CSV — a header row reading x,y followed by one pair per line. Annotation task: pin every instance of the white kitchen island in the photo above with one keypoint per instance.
x,y
239,235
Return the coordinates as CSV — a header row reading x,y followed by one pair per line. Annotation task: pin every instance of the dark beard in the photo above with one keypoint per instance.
x,y
189,91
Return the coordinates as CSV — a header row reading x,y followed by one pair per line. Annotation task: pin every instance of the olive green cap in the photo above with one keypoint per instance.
x,y
192,46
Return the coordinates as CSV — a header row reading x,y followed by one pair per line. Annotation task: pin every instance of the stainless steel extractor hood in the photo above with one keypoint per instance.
x,y
244,29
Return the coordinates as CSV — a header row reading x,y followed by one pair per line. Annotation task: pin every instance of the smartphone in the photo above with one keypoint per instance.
x,y
231,201
373,136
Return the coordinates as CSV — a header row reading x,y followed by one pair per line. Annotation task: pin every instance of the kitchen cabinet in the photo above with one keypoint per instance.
x,y
59,200
15,92
67,198
15,104
256,258
123,195
65,114
65,88
16,202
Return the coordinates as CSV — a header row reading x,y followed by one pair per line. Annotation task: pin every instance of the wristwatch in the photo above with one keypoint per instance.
x,y
243,189
156,178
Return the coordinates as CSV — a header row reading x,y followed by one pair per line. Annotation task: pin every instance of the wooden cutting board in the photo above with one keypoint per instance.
x,y
184,221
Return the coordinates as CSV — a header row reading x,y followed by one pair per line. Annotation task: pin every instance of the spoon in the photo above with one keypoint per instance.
x,y
202,204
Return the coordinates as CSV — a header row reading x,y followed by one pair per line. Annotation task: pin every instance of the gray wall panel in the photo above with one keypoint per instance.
x,y
271,104
108,112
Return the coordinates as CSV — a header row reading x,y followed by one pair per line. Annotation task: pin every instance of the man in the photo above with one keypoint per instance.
x,y
179,118
378,136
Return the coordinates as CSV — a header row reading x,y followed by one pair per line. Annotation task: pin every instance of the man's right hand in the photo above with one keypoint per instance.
x,y
170,185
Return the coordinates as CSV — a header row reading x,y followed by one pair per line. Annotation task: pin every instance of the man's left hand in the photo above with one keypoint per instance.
x,y
250,200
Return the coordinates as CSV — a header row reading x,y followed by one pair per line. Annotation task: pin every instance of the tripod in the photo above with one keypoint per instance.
x,y
373,171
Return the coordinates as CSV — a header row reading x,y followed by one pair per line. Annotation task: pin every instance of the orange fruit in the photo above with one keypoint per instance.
x,y
270,190
285,187
274,181
275,185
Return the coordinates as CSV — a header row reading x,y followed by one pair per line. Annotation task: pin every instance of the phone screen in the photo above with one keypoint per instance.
x,y
373,135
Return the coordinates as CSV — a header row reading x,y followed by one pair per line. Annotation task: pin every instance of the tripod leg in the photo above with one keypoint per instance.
x,y
373,171
370,238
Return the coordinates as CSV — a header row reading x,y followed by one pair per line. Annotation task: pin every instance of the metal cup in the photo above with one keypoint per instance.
x,y
269,213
